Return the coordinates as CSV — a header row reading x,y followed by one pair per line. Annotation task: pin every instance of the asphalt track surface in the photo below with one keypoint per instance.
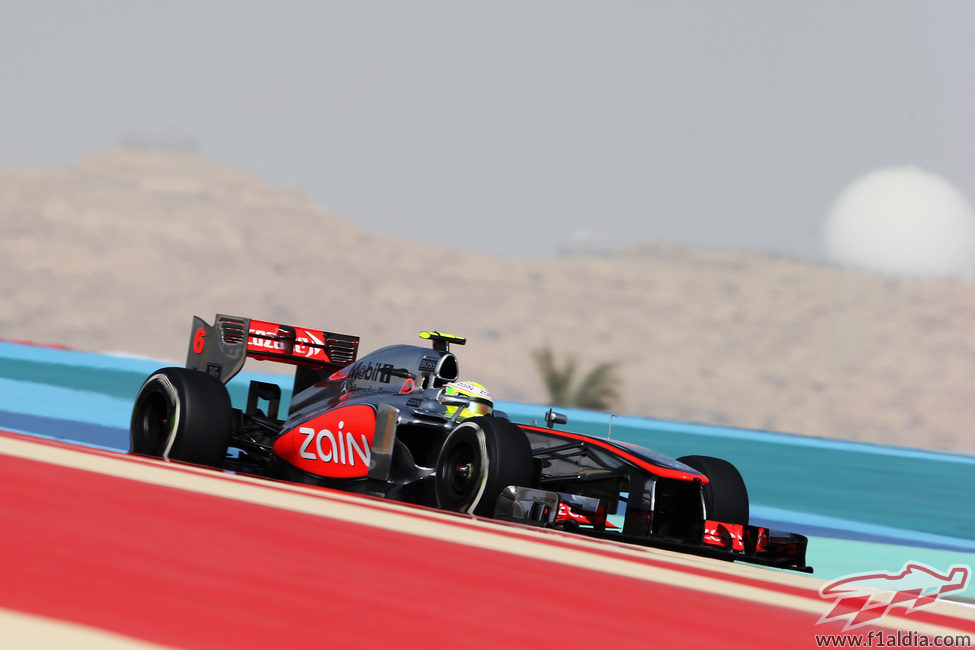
x,y
105,550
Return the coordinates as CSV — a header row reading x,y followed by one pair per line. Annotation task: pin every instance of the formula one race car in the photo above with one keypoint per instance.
x,y
386,425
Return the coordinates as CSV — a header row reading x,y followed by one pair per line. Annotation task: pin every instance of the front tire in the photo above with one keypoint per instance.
x,y
182,414
725,495
479,459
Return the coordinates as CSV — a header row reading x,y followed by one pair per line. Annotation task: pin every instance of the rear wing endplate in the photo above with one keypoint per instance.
x,y
221,349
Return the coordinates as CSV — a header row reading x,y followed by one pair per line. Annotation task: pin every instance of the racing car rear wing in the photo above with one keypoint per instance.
x,y
221,349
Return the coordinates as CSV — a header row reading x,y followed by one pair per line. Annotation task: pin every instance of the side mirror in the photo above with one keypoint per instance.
x,y
552,418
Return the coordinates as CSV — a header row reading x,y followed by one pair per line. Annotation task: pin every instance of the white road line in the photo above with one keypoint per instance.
x,y
19,630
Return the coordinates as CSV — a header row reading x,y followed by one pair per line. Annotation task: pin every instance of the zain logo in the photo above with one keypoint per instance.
x,y
336,445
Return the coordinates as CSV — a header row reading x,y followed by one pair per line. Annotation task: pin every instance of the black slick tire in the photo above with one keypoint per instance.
x,y
480,458
182,414
725,495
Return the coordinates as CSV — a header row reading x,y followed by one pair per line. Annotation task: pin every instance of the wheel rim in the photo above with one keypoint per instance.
x,y
157,422
460,470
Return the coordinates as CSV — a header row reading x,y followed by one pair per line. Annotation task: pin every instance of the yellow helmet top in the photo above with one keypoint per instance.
x,y
480,399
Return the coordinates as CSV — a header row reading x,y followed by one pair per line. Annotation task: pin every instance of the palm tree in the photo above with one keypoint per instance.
x,y
598,390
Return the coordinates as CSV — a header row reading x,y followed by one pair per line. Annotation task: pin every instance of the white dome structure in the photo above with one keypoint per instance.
x,y
903,221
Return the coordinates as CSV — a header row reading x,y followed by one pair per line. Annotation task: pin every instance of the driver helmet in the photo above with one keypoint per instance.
x,y
480,399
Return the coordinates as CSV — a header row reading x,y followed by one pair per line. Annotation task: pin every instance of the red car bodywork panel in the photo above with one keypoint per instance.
x,y
335,444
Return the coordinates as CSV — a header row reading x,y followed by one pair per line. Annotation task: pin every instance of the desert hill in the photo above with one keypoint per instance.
x,y
117,252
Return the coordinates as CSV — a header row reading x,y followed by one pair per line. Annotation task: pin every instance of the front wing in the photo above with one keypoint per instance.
x,y
723,541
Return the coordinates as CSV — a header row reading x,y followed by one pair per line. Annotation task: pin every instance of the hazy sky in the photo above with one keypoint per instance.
x,y
510,127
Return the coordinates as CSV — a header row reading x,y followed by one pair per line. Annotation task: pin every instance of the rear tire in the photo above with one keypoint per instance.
x,y
182,414
479,459
725,495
